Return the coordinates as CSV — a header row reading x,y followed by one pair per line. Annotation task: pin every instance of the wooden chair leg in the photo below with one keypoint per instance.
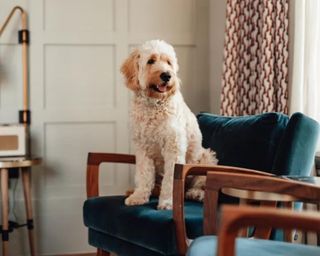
x,y
100,252
26,182
5,211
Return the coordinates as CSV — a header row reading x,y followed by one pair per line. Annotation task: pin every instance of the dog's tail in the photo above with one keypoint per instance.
x,y
208,157
195,189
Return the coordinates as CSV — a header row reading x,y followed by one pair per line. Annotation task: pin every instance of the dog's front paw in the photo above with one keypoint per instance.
x,y
195,194
165,204
136,199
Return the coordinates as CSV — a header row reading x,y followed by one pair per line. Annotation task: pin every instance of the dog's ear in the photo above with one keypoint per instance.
x,y
130,70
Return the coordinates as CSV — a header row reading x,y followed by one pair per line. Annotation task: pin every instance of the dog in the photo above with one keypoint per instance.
x,y
165,131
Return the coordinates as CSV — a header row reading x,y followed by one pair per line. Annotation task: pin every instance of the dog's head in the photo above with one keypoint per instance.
x,y
152,70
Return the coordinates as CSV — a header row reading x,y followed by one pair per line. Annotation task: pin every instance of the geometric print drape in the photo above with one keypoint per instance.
x,y
255,67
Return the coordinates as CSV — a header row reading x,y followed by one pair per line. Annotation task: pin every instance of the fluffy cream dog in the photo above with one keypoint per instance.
x,y
165,131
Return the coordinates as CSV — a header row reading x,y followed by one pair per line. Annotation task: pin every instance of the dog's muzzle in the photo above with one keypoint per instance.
x,y
162,86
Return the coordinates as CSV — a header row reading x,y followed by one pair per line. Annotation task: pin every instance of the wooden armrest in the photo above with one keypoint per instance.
x,y
234,218
93,163
298,190
98,158
181,171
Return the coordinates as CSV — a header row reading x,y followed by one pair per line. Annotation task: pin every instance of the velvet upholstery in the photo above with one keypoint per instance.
x,y
264,142
110,243
141,225
296,152
207,246
245,141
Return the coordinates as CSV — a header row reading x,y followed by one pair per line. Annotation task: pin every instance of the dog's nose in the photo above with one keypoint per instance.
x,y
165,76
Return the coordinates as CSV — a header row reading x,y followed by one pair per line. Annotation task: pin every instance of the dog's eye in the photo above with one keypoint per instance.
x,y
169,62
151,61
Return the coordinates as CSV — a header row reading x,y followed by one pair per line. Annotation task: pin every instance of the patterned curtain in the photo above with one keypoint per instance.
x,y
255,68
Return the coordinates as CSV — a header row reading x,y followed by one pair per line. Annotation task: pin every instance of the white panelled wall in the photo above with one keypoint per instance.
x,y
79,102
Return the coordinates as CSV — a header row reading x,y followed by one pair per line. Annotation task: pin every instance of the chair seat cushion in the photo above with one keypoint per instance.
x,y
121,247
207,245
142,225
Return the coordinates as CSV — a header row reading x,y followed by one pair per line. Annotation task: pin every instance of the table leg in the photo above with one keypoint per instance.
x,y
244,232
26,182
288,233
5,211
318,234
265,233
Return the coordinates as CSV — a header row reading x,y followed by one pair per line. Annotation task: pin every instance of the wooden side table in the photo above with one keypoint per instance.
x,y
266,196
24,164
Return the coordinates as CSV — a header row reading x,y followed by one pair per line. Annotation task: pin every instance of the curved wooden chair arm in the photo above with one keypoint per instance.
x,y
235,218
181,172
95,158
93,162
298,190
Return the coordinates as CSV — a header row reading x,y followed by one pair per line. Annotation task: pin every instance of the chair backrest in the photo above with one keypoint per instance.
x,y
296,152
269,142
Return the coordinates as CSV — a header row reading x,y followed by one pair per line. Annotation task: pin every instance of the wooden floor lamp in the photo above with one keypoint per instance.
x,y
23,39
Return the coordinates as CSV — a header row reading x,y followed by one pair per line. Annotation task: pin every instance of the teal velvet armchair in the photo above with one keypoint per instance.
x,y
265,144
235,218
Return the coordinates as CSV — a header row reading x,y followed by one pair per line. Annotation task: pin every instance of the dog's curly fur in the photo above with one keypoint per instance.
x,y
165,131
